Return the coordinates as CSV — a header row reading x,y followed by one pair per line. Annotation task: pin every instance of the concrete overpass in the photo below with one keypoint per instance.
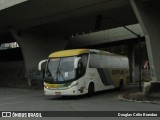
x,y
41,27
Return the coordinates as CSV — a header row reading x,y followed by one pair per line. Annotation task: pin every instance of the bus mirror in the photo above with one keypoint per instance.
x,y
40,64
76,61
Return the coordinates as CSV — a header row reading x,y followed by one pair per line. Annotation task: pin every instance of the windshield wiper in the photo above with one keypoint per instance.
x,y
48,72
58,72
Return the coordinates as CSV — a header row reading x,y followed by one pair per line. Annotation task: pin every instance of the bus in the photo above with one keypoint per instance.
x,y
84,71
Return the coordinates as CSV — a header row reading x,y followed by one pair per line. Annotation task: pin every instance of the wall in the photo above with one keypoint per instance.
x,y
12,73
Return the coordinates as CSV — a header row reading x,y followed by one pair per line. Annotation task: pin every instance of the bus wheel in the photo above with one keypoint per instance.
x,y
121,84
91,89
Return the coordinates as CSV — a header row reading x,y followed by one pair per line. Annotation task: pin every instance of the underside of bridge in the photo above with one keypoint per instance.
x,y
44,26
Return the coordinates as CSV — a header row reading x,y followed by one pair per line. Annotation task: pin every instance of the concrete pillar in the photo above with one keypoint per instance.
x,y
36,47
148,16
131,55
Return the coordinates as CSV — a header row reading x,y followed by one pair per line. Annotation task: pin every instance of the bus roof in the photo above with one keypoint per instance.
x,y
74,52
66,53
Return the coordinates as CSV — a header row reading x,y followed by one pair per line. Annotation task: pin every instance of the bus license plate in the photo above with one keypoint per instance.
x,y
58,93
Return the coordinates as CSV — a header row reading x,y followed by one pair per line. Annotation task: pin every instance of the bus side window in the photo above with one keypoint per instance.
x,y
93,62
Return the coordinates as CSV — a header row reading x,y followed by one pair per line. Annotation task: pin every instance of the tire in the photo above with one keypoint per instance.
x,y
91,89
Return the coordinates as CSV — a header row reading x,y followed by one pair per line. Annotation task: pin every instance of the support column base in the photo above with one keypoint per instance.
x,y
152,89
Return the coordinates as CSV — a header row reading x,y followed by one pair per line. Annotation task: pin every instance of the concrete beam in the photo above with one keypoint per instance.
x,y
67,16
106,36
9,3
36,47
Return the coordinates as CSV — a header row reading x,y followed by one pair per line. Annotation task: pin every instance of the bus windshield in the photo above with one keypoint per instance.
x,y
60,70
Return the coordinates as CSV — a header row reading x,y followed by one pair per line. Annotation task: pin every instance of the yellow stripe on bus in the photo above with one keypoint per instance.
x,y
66,53
51,85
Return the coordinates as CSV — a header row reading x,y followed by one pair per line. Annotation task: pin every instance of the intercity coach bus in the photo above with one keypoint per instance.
x,y
84,71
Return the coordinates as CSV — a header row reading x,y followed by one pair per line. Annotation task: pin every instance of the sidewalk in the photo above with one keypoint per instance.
x,y
136,96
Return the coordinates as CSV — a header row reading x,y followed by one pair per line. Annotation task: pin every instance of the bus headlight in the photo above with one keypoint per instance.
x,y
45,85
73,84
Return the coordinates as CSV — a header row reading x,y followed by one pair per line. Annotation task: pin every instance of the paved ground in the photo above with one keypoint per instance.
x,y
12,99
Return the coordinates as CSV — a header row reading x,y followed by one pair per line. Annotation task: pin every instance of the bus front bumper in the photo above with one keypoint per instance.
x,y
63,92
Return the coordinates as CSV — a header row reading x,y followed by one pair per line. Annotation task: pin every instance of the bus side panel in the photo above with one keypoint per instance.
x,y
98,78
105,76
93,77
111,69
